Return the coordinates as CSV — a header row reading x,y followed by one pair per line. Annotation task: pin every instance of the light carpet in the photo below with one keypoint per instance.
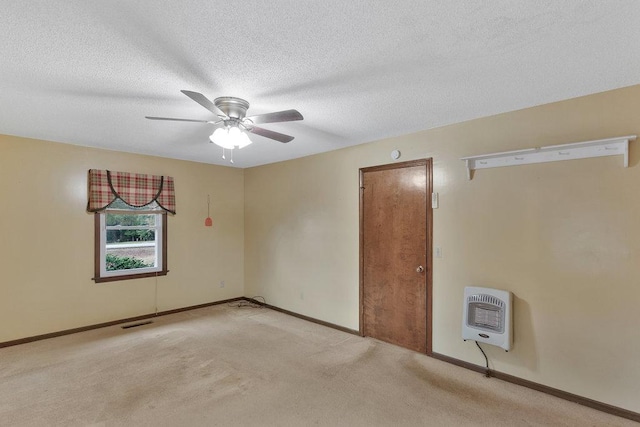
x,y
227,366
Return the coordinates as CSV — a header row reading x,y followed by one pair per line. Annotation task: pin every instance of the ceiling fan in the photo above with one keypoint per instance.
x,y
231,112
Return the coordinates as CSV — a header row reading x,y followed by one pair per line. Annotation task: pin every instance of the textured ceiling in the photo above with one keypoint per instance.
x,y
87,72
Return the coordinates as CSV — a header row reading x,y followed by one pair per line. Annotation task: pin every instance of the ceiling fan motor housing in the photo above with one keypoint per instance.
x,y
234,108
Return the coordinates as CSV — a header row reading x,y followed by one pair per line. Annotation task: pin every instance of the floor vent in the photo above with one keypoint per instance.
x,y
135,325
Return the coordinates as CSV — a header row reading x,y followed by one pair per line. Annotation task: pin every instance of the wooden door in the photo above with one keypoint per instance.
x,y
395,254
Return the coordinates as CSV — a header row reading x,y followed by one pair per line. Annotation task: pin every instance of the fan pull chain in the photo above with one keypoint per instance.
x,y
232,155
223,156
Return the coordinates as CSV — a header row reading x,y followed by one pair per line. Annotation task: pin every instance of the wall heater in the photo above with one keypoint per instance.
x,y
487,316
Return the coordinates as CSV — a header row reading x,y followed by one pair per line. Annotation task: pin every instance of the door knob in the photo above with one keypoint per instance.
x,y
420,269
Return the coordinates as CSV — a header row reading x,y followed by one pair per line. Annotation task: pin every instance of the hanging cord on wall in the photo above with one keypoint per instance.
x,y
208,222
156,294
251,304
488,371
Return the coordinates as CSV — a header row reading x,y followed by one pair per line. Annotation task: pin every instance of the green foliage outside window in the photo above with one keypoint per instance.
x,y
124,263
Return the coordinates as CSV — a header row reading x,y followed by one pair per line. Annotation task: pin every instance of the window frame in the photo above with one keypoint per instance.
x,y
100,275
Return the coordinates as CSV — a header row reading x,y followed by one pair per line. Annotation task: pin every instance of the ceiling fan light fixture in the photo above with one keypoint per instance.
x,y
243,140
221,138
230,138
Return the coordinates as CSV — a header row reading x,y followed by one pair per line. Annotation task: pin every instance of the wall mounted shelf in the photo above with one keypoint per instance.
x,y
552,153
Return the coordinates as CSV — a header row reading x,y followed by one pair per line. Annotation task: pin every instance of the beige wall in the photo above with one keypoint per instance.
x,y
564,237
47,239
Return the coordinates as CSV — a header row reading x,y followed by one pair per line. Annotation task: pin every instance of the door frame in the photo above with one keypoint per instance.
x,y
428,164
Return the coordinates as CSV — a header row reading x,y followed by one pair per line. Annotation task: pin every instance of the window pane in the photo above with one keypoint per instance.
x,y
130,236
128,255
131,247
119,260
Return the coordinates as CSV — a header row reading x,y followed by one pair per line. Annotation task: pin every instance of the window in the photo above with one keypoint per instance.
x,y
130,227
130,242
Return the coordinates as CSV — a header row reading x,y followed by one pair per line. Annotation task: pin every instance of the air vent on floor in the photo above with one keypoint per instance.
x,y
135,325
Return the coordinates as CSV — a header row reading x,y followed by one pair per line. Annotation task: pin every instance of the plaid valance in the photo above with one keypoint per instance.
x,y
134,189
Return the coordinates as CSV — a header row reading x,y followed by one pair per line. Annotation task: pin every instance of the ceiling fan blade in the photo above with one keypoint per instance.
x,y
280,116
204,101
176,120
270,134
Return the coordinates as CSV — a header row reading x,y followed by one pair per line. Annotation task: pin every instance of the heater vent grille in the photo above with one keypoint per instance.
x,y
487,317
489,299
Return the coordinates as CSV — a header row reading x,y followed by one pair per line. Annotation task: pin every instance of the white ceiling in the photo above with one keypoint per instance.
x,y
87,72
